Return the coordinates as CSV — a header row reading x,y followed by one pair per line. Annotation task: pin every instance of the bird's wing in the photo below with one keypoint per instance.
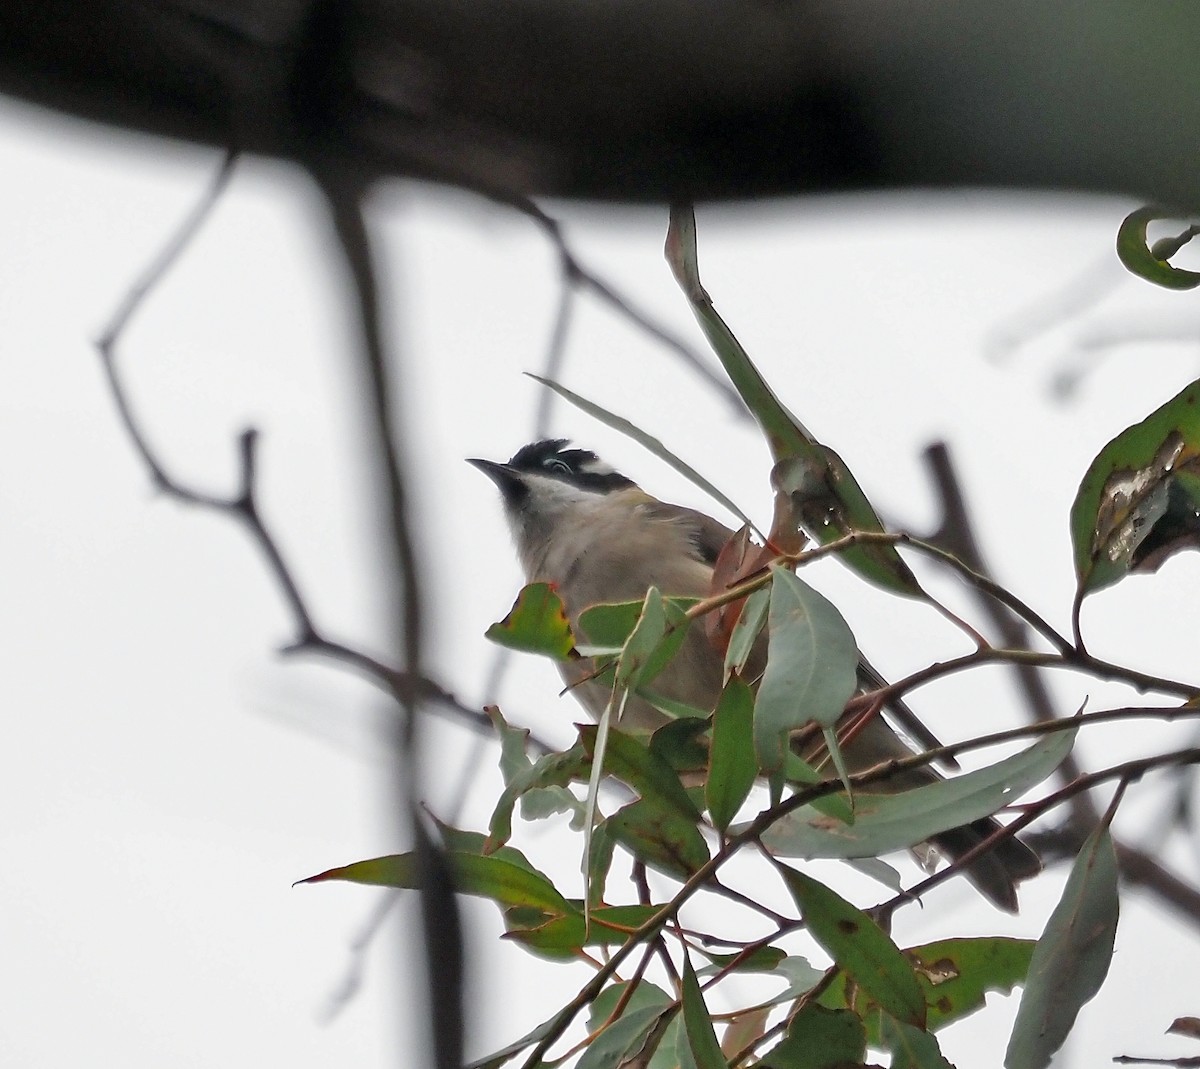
x,y
708,535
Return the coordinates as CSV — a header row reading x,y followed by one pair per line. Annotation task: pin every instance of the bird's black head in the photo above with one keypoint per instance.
x,y
579,467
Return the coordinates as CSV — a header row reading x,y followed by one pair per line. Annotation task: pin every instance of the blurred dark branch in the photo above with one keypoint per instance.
x,y
442,928
575,275
663,100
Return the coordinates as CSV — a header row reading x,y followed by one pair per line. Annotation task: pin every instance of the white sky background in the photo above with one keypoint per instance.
x,y
164,777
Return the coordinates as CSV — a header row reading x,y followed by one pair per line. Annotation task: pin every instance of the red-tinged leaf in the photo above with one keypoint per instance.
x,y
537,624
1071,958
859,946
739,558
744,1029
504,882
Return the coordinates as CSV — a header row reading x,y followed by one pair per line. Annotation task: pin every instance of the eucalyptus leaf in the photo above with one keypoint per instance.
x,y
749,625
537,623
859,946
819,1038
912,1047
812,667
1072,957
536,803
1139,502
702,1039
659,837
732,768
646,441
955,974
887,822
844,507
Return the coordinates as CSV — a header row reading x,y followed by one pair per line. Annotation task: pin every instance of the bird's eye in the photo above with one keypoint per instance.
x,y
556,464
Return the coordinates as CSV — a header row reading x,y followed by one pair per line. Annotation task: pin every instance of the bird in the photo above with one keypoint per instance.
x,y
598,537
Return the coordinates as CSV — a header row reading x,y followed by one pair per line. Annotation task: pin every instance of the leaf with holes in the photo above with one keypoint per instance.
x,y
955,974
1139,502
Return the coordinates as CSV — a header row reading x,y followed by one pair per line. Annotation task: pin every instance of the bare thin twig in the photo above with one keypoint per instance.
x,y
576,274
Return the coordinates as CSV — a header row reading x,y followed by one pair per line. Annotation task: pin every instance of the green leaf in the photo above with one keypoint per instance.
x,y
702,1039
859,946
746,631
629,759
499,1057
816,492
801,977
887,822
1140,499
553,770
658,836
660,631
732,767
761,959
954,974
537,623
562,936
845,507
646,441
645,996
819,1038
912,1047
812,667
459,841
632,1035
681,744
537,803
600,856
1071,958
501,880
1152,262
